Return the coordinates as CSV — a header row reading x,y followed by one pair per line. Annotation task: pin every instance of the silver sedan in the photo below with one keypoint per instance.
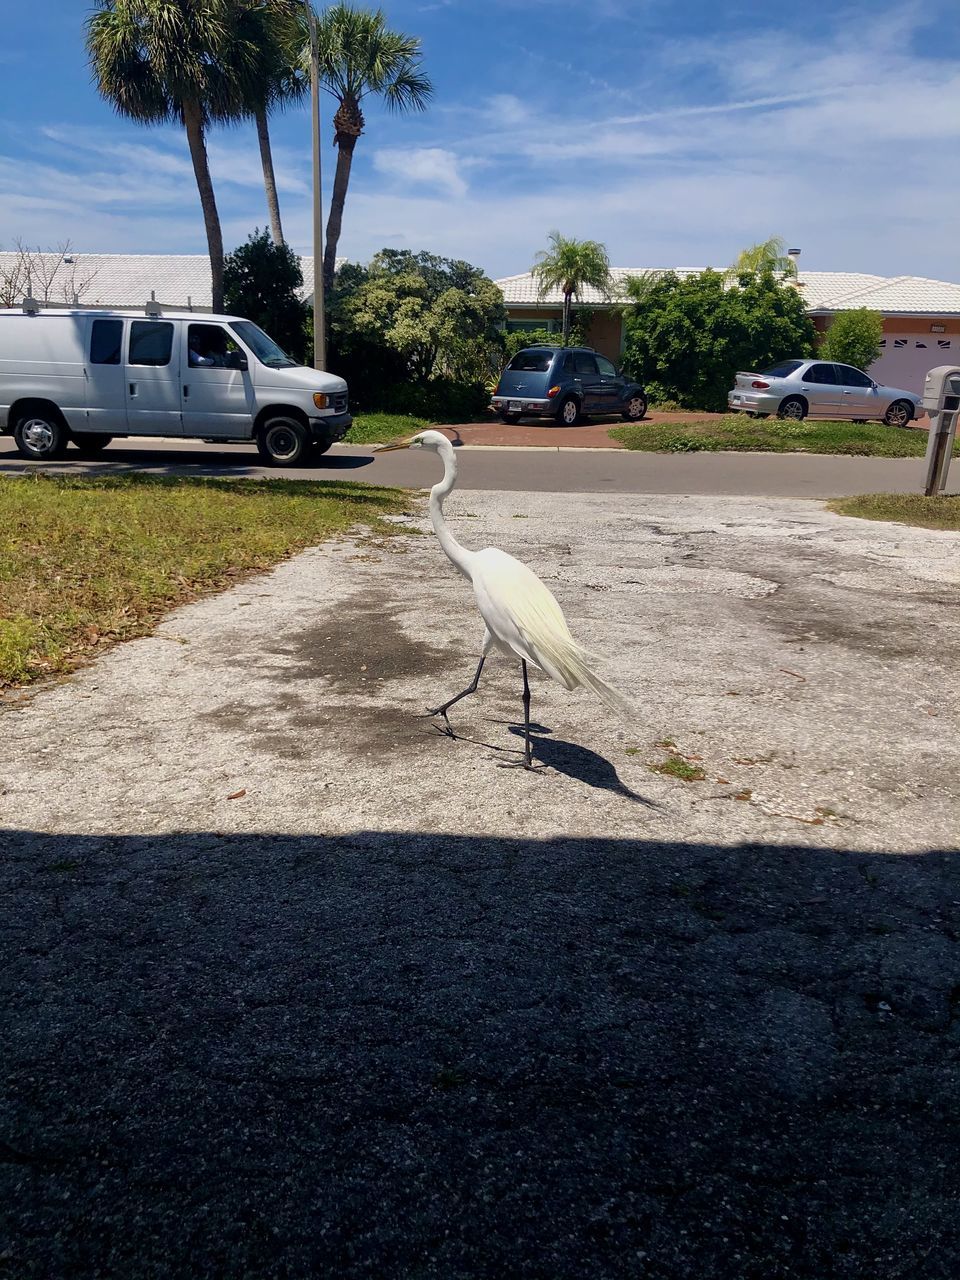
x,y
795,388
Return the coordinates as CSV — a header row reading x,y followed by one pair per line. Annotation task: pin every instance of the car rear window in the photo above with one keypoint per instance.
x,y
783,369
535,361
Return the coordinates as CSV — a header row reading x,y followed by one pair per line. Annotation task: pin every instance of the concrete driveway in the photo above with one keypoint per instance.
x,y
293,984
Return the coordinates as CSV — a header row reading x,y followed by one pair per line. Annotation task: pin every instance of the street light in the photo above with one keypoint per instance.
x,y
319,322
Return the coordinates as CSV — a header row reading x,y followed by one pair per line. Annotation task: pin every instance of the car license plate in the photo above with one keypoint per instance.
x,y
513,406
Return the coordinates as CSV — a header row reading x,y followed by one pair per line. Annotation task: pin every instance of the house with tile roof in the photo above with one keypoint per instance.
x,y
921,317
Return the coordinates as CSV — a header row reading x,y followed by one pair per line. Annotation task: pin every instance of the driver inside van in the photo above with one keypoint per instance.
x,y
207,346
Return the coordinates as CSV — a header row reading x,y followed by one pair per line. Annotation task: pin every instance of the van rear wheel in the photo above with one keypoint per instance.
x,y
283,442
90,442
41,435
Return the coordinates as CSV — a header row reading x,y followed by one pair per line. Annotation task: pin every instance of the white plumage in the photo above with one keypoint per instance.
x,y
522,617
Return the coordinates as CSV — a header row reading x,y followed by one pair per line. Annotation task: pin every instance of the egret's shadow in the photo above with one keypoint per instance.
x,y
578,762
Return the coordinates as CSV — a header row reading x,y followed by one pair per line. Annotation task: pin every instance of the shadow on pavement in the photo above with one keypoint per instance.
x,y
578,762
405,1055
186,462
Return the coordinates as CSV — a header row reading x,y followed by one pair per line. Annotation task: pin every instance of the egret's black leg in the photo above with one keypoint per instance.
x,y
471,688
527,753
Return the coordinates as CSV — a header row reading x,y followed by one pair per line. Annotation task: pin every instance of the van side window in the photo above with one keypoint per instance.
x,y
105,341
150,342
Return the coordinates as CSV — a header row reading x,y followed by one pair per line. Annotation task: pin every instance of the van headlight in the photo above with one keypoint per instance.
x,y
321,399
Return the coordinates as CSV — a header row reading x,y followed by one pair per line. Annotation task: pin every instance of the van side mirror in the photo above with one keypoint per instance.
x,y
237,360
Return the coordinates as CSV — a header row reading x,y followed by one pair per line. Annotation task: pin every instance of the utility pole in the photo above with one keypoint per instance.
x,y
319,318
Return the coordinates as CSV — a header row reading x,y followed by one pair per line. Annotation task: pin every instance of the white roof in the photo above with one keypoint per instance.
x,y
822,291
126,280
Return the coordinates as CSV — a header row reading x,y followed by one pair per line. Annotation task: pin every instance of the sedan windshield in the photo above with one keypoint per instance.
x,y
783,369
535,361
264,348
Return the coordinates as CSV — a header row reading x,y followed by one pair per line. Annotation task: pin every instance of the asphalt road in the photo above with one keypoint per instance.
x,y
534,470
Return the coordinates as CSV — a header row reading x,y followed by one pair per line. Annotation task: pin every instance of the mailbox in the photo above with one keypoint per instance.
x,y
941,399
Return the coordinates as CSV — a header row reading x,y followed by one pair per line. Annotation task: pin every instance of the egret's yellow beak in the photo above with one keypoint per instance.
x,y
389,448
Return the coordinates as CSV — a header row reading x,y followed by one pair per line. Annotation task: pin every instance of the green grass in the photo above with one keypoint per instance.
x,y
677,768
739,433
904,508
86,561
381,428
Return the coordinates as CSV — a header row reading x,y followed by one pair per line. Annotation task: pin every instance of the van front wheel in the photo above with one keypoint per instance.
x,y
41,435
283,442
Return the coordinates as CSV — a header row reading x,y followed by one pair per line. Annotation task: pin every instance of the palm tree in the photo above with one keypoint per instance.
x,y
182,60
768,255
275,29
568,265
360,56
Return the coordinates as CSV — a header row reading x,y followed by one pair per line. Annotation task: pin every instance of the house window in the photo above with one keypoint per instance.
x,y
532,326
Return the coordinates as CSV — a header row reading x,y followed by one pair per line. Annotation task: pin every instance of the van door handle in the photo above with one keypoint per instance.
x,y
186,392
133,389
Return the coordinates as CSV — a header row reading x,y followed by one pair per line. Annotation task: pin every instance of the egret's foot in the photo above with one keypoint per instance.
x,y
530,765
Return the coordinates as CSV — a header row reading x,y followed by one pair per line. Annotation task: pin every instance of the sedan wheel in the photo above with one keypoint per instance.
x,y
636,408
792,408
899,414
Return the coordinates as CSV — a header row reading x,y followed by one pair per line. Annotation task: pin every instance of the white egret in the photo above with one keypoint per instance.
x,y
522,618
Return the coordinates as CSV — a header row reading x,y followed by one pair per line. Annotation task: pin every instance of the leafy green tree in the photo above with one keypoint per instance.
x,y
768,255
569,265
262,280
440,316
687,337
416,333
360,56
854,338
188,61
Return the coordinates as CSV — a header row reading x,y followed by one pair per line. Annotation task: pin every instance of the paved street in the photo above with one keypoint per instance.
x,y
294,985
533,470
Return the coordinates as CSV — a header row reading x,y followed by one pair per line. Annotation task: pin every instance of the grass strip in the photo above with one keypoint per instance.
x,y
380,428
86,561
903,508
737,433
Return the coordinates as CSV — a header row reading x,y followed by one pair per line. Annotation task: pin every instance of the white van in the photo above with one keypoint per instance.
x,y
87,377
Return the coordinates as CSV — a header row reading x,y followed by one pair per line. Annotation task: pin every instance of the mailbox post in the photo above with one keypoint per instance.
x,y
941,399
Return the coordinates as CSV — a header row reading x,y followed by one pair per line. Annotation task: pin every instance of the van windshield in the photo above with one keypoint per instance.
x,y
264,348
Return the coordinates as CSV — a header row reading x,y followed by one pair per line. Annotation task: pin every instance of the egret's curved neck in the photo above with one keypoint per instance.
x,y
457,554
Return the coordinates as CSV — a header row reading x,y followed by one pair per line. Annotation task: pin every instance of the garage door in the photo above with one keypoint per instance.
x,y
908,357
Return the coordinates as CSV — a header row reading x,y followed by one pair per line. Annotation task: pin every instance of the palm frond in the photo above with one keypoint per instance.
x,y
569,265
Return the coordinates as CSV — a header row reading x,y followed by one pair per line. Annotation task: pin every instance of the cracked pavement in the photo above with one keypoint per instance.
x,y
293,984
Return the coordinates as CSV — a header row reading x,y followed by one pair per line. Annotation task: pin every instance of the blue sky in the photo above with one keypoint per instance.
x,y
675,131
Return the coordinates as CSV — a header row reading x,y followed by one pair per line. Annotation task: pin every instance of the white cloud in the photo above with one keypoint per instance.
x,y
422,166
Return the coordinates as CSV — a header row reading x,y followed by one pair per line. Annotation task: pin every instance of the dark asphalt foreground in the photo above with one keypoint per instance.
x,y
386,1055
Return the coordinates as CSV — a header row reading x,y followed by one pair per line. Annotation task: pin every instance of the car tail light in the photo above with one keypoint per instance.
x,y
552,392
760,386
496,389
